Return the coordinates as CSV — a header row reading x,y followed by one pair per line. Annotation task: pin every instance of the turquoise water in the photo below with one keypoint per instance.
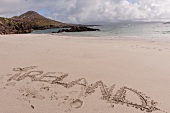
x,y
47,31
151,30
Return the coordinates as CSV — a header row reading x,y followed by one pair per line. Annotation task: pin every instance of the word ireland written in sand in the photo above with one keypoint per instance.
x,y
120,97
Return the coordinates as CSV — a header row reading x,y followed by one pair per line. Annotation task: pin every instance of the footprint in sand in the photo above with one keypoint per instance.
x,y
11,84
28,83
45,89
76,103
64,100
54,97
30,93
2,88
21,90
67,110
9,75
40,84
61,103
71,104
1,78
65,97
73,92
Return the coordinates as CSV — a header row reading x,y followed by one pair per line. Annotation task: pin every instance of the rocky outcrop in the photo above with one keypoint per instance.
x,y
10,26
2,29
78,29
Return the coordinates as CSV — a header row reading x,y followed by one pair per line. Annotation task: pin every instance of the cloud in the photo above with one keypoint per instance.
x,y
85,11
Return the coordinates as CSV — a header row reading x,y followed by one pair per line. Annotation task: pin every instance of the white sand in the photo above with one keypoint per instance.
x,y
143,65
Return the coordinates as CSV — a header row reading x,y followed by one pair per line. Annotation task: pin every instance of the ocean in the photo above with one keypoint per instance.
x,y
139,30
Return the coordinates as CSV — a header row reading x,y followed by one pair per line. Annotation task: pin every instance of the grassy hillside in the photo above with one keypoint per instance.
x,y
39,20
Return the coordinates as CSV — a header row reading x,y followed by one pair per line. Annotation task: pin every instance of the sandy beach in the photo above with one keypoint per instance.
x,y
44,73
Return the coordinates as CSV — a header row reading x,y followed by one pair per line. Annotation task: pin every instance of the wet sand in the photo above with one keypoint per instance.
x,y
64,74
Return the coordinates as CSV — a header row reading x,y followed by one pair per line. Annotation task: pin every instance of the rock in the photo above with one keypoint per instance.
x,y
32,106
78,29
10,26
1,23
166,23
63,30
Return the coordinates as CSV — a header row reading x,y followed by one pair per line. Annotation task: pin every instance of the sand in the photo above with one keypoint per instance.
x,y
44,73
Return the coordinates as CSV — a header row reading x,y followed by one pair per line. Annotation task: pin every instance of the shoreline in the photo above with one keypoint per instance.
x,y
129,63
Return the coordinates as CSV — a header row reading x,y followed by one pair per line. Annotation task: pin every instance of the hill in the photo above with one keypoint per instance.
x,y
27,22
39,20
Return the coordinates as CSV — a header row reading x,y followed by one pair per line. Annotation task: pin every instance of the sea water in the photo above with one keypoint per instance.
x,y
141,30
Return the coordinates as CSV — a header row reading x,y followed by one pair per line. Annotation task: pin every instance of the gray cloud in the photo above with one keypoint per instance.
x,y
84,11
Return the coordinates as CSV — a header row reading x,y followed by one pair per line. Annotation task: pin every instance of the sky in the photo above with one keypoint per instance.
x,y
90,11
